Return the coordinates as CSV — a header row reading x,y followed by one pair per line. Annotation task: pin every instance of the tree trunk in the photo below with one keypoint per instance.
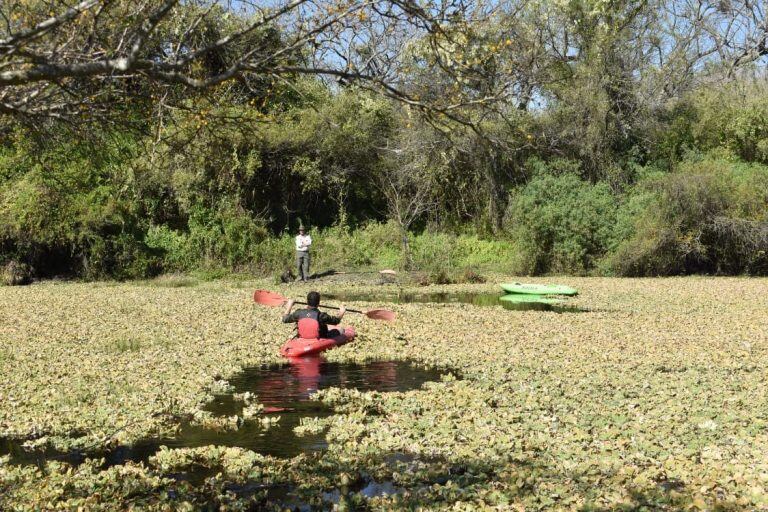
x,y
407,256
492,190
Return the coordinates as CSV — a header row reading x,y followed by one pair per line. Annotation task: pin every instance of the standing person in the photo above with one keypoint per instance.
x,y
313,323
303,242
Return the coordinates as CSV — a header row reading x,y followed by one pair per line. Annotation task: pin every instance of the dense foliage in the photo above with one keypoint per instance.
x,y
217,198
603,160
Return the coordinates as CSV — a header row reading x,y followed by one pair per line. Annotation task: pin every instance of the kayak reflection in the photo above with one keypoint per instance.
x,y
307,371
306,375
286,392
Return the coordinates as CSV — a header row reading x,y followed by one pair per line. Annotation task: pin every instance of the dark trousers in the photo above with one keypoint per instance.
x,y
302,265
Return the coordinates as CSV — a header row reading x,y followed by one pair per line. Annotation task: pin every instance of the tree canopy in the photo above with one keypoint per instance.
x,y
140,136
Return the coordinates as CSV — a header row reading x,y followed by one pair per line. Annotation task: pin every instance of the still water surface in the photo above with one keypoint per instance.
x,y
475,299
287,390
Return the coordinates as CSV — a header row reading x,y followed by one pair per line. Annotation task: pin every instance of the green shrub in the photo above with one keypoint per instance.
x,y
224,236
440,276
274,254
732,117
471,251
14,273
174,247
560,224
338,247
217,240
380,243
334,248
469,275
432,252
70,210
709,216
123,256
446,251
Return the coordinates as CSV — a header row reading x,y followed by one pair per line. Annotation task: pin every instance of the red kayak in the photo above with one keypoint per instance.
x,y
298,347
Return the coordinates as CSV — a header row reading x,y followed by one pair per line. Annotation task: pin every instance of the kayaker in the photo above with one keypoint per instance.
x,y
303,242
313,323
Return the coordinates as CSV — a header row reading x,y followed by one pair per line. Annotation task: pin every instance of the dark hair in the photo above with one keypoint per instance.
x,y
313,299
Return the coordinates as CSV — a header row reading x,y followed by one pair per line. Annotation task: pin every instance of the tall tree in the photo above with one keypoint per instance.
x,y
79,59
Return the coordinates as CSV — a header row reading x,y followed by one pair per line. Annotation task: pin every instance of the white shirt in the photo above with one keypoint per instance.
x,y
303,242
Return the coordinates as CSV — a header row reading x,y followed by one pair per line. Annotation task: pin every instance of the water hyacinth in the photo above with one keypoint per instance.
x,y
252,410
233,462
207,420
311,426
247,398
220,387
652,398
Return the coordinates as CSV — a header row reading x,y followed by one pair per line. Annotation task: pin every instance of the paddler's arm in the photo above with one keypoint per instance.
x,y
332,320
287,316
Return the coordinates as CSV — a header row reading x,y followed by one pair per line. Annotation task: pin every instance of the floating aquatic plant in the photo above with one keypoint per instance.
x,y
655,397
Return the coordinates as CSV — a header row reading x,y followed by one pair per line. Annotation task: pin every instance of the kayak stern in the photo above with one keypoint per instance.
x,y
298,347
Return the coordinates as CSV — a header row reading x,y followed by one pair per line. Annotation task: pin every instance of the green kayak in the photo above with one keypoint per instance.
x,y
528,299
538,289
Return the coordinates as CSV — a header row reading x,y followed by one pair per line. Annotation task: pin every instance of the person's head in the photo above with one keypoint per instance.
x,y
302,230
313,299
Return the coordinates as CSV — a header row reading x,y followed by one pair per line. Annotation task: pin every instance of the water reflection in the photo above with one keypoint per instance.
x,y
285,391
475,299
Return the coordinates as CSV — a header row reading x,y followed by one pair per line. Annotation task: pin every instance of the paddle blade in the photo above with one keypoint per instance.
x,y
388,272
268,298
381,314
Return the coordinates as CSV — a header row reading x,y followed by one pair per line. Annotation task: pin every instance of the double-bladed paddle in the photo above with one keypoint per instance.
x,y
268,298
